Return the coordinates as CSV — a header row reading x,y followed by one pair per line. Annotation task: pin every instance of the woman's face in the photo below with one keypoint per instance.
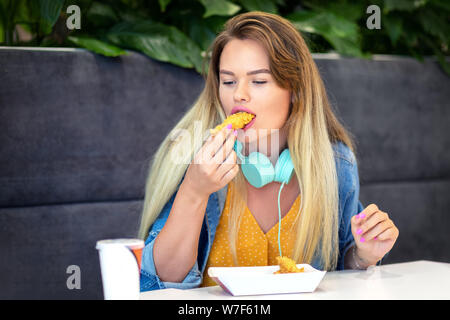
x,y
246,81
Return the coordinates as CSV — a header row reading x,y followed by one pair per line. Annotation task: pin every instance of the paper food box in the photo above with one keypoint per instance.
x,y
240,281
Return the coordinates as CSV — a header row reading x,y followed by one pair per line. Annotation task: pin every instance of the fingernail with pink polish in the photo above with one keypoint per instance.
x,y
359,231
235,133
362,215
375,238
230,126
362,239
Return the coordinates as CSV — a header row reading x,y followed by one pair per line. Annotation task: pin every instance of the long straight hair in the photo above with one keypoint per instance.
x,y
312,129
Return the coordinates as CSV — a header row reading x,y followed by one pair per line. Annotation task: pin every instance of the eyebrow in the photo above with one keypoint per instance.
x,y
248,73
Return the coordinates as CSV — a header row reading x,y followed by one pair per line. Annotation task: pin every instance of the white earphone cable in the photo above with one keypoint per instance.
x,y
279,219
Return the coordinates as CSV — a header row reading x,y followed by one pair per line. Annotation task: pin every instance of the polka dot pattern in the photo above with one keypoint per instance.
x,y
254,247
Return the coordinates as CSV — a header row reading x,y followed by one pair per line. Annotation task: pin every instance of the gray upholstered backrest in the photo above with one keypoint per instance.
x,y
398,110
79,127
77,132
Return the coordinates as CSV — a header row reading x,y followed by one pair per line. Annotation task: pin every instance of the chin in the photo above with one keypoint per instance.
x,y
254,135
250,134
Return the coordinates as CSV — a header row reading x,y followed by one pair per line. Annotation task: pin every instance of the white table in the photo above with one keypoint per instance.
x,y
409,280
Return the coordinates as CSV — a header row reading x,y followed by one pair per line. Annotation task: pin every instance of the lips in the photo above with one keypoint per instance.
x,y
243,109
248,125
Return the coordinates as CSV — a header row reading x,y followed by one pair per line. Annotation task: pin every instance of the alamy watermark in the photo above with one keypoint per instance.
x,y
74,280
374,20
265,141
74,20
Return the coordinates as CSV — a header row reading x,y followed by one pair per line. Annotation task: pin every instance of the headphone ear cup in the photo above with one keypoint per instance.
x,y
284,167
238,149
259,171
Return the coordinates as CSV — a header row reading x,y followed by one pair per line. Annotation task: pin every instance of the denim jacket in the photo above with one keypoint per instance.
x,y
349,205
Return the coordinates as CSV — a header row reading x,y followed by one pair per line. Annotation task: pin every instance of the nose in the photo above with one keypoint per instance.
x,y
241,93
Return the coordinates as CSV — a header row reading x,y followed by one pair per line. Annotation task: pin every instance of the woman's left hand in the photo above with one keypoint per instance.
x,y
374,233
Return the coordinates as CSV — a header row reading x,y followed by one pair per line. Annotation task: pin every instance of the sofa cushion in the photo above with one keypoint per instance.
x,y
398,111
80,127
39,243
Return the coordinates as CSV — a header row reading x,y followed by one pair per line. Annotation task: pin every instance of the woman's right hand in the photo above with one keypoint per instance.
x,y
214,165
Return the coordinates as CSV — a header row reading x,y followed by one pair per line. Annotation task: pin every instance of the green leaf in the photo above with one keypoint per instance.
x,y
50,11
101,14
204,31
2,32
219,8
341,33
27,12
444,4
163,4
2,21
394,27
352,10
412,39
403,5
259,5
434,24
97,46
201,33
158,41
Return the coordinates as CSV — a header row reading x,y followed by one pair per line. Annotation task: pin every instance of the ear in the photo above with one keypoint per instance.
x,y
292,98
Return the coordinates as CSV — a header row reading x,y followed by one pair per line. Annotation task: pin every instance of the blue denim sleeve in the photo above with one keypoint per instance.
x,y
149,280
349,200
352,207
350,203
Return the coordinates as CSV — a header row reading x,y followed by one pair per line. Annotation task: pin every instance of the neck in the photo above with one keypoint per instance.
x,y
270,145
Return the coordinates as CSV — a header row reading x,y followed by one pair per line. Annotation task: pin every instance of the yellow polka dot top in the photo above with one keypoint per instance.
x,y
254,247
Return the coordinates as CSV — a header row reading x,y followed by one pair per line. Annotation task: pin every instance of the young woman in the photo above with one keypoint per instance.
x,y
204,212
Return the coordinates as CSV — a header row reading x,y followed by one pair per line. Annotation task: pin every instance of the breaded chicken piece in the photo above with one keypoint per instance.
x,y
238,121
287,265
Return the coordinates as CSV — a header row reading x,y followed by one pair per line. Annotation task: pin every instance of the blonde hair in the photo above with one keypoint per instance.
x,y
312,128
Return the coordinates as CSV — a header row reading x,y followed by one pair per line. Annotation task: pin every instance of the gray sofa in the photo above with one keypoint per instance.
x,y
77,132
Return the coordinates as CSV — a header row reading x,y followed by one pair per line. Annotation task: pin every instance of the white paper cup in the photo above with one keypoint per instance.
x,y
120,264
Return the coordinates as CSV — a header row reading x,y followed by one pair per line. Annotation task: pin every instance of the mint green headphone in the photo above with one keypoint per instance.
x,y
259,171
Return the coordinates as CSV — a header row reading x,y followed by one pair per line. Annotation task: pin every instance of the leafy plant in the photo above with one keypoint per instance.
x,y
181,31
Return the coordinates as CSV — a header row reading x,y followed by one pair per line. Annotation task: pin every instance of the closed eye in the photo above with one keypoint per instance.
x,y
232,82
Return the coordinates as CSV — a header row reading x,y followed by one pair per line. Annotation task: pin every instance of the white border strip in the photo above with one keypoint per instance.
x,y
56,49
375,57
327,56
